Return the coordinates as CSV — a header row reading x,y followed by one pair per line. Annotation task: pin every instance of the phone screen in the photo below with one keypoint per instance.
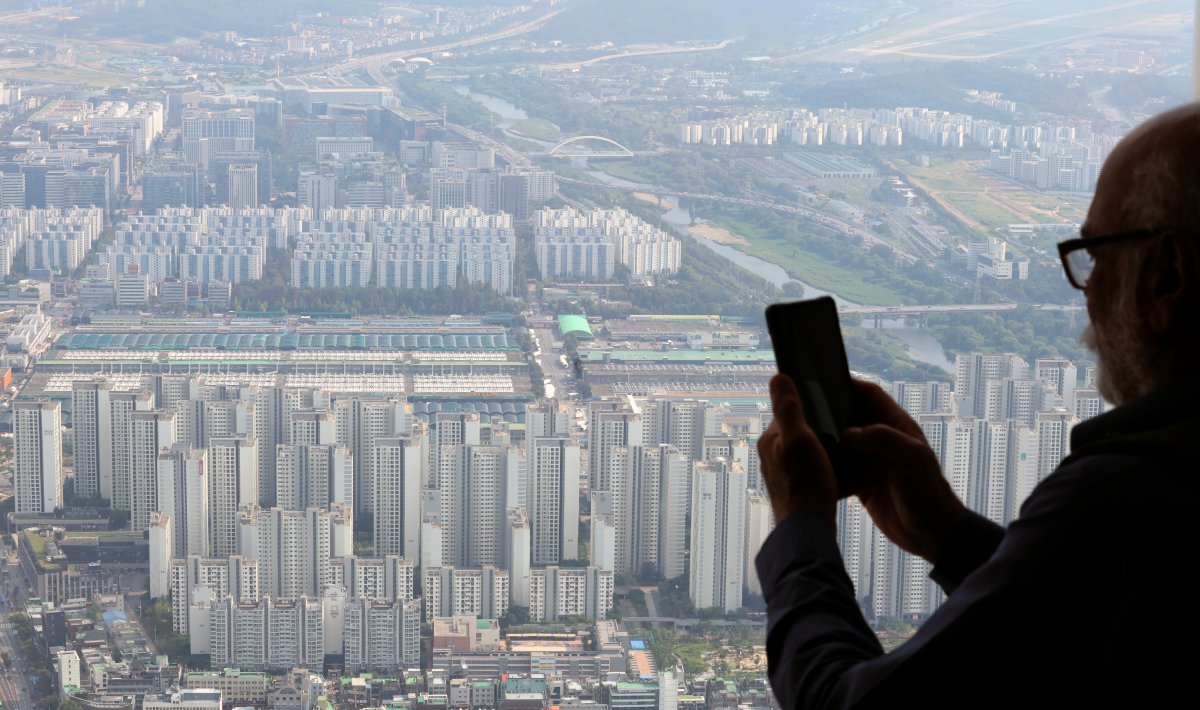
x,y
807,338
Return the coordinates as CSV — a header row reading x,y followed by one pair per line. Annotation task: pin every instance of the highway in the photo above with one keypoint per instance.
x,y
575,66
374,63
507,153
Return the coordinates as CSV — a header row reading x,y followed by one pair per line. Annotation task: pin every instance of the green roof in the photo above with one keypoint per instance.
x,y
434,339
676,356
483,623
36,542
574,325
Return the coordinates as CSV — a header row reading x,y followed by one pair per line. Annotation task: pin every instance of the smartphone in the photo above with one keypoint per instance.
x,y
807,338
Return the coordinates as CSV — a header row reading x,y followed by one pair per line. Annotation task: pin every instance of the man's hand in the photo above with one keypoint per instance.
x,y
794,465
898,478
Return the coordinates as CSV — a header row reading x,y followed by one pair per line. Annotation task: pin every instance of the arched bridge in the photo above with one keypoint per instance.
x,y
563,151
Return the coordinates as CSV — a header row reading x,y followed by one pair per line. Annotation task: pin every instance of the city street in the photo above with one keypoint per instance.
x,y
14,688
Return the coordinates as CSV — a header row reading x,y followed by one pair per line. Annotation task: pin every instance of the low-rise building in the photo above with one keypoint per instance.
x,y
239,687
466,633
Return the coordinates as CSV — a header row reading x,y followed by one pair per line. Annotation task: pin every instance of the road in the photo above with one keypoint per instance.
x,y
576,66
898,311
374,63
14,689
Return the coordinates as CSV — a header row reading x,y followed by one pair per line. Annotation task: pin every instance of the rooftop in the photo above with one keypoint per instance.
x,y
574,325
680,356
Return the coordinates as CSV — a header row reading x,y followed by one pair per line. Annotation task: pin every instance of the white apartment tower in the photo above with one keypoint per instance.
x,y
232,483
649,508
518,556
162,549
611,423
196,579
360,421
556,593
183,496
972,371
760,521
1062,376
381,634
602,544
398,465
37,456
718,542
449,429
291,547
85,433
474,498
116,455
150,433
313,476
553,499
387,577
449,591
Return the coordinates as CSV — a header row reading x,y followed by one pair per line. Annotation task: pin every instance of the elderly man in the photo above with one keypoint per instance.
x,y
1084,598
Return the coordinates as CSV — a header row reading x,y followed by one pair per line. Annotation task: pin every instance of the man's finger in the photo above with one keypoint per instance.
x,y
879,439
766,445
874,406
785,401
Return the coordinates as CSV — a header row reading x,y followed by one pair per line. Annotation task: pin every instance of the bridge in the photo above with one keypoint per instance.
x,y
905,311
562,151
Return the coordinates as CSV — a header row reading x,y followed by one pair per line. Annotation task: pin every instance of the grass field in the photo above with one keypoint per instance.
x,y
536,128
64,75
988,201
806,266
624,169
800,264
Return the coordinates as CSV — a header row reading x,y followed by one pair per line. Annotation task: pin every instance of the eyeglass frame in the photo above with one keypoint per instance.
x,y
1066,248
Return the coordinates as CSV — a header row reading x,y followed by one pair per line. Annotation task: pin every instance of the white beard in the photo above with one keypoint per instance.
x,y
1104,383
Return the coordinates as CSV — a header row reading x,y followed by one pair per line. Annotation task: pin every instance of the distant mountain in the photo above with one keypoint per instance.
x,y
762,22
165,20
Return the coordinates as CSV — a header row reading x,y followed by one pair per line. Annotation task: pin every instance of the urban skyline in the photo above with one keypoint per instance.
x,y
367,356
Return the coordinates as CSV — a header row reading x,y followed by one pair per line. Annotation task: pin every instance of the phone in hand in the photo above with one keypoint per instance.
x,y
807,338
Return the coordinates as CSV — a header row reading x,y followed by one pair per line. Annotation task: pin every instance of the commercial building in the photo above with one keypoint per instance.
x,y
235,686
200,699
466,633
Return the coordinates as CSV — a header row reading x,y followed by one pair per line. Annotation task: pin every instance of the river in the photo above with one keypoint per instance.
x,y
921,345
508,112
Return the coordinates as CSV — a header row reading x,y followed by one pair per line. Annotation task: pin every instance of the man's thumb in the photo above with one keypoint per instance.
x,y
877,439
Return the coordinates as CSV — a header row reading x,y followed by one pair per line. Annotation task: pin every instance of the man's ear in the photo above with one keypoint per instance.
x,y
1172,279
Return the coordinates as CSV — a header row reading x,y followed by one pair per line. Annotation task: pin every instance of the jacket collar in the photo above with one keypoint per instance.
x,y
1156,410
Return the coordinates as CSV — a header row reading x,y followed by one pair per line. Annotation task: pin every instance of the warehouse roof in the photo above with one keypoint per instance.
x,y
574,325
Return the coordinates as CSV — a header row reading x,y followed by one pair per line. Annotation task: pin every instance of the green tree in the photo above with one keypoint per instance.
x,y
516,616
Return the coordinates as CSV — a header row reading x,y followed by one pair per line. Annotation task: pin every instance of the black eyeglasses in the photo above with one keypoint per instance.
x,y
1078,260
